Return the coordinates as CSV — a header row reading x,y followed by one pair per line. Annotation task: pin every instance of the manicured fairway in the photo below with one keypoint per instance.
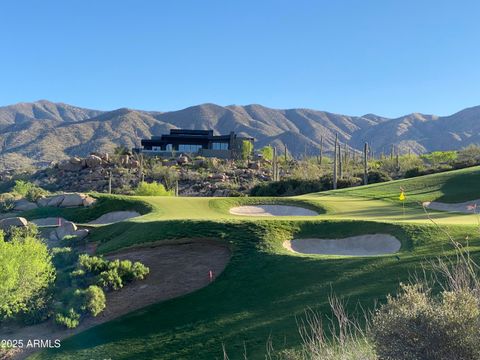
x,y
265,289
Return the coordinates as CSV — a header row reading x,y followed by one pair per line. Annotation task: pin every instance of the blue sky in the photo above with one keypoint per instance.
x,y
351,57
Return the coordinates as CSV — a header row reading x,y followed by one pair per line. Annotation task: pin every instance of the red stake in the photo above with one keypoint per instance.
x,y
210,275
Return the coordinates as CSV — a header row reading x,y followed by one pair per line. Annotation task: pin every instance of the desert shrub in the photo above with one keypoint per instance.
x,y
129,271
345,182
440,157
63,256
38,308
287,187
92,264
94,300
415,325
152,189
21,232
267,152
374,176
26,271
110,280
246,149
165,174
69,318
468,156
139,271
7,202
28,190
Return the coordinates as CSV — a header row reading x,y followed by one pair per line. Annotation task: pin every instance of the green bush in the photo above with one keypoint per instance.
x,y
92,264
7,203
28,190
152,189
95,300
63,256
418,326
288,187
69,319
110,280
26,272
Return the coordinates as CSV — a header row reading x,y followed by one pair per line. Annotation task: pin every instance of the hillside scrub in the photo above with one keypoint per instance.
x,y
28,190
26,273
152,189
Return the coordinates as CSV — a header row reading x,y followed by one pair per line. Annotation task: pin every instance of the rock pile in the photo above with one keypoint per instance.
x,y
62,200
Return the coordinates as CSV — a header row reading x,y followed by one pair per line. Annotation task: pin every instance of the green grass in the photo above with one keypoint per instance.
x,y
259,295
265,289
104,204
448,187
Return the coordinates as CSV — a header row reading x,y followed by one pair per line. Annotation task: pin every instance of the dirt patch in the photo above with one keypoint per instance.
x,y
175,270
114,217
271,210
467,207
364,245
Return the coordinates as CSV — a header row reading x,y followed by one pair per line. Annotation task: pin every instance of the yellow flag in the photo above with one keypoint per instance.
x,y
402,196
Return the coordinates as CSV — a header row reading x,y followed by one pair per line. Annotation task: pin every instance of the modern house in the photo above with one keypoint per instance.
x,y
194,142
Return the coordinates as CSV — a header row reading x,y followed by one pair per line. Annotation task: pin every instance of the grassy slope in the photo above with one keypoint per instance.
x,y
450,187
264,288
260,293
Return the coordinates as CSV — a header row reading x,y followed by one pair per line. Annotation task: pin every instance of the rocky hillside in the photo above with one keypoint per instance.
x,y
41,132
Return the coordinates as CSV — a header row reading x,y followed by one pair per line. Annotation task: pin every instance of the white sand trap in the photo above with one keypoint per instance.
x,y
114,216
363,245
468,207
271,210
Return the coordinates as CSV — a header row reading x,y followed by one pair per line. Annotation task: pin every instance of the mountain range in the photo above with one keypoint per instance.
x,y
35,134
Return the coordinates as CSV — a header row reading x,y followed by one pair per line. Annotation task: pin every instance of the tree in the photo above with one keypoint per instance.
x,y
267,152
247,149
152,189
26,271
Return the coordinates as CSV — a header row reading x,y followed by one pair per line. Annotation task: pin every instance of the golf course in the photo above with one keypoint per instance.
x,y
280,264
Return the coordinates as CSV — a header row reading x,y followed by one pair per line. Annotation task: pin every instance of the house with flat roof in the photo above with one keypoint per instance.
x,y
194,142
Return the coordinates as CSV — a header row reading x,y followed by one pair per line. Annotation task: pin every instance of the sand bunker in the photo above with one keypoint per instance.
x,y
363,245
114,216
468,207
271,210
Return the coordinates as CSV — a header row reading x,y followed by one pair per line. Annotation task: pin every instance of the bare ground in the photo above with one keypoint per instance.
x,y
175,269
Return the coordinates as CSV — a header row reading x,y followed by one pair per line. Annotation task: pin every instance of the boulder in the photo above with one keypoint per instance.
x,y
93,161
88,201
24,205
7,223
68,166
182,160
72,200
42,202
55,201
134,164
66,228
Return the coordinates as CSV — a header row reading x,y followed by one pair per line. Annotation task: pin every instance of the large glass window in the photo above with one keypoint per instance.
x,y
188,148
219,146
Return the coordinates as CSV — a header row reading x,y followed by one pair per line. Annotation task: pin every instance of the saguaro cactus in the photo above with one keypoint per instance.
x,y
321,151
335,159
365,164
275,171
340,162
